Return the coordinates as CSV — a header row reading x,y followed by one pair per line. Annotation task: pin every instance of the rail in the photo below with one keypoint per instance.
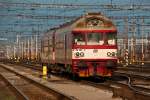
x,y
15,90
58,94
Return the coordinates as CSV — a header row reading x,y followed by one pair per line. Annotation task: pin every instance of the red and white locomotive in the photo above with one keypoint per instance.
x,y
84,47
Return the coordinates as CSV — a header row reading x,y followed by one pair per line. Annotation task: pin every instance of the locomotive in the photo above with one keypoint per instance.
x,y
85,47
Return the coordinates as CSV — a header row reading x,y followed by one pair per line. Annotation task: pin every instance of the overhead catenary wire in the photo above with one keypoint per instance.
x,y
56,5
66,17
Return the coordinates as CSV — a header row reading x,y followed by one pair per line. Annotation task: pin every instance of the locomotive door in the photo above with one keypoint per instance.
x,y
65,49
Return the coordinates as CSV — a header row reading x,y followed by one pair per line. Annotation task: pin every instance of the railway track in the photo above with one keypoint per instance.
x,y
132,92
70,87
7,92
11,79
27,89
142,69
139,76
126,89
123,89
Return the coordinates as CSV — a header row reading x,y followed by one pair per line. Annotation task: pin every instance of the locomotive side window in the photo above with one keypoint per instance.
x,y
79,39
95,39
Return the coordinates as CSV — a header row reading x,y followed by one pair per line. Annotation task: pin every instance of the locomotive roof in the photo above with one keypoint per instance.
x,y
78,22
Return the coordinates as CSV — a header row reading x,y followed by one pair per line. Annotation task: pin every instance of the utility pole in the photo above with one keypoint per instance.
x,y
25,48
126,42
30,48
28,53
111,2
14,49
36,47
148,46
142,42
17,47
133,43
7,52
22,50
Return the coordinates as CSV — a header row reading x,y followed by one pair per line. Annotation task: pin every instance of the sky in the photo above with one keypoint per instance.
x,y
16,20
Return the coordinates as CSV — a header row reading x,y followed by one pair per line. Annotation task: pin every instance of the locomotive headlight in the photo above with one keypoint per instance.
x,y
111,54
108,54
77,54
81,54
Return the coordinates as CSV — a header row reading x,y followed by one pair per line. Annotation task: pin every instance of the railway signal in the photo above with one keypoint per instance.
x,y
126,57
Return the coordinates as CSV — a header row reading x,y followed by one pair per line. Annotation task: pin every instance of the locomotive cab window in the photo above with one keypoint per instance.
x,y
95,39
111,37
79,39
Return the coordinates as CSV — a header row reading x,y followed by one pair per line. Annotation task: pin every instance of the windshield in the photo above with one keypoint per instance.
x,y
79,39
112,38
95,38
